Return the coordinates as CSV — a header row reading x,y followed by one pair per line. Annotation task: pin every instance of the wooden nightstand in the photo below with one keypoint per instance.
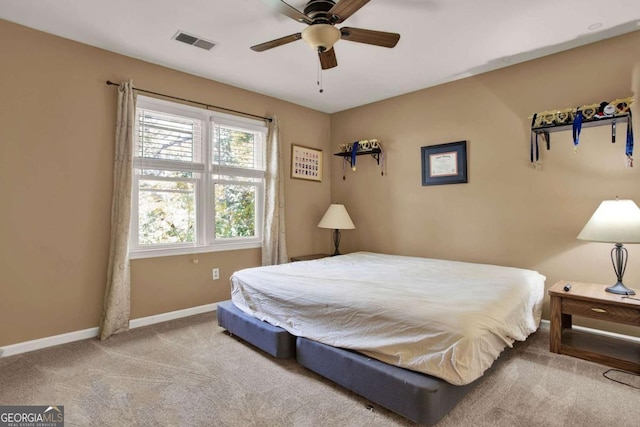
x,y
308,257
591,300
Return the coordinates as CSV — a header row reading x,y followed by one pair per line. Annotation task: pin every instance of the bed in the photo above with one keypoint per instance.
x,y
443,320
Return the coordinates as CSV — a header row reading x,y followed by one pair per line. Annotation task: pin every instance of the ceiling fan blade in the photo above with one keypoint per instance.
x,y
328,59
288,10
378,38
345,8
277,42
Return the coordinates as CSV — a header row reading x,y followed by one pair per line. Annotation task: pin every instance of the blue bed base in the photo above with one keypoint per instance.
x,y
271,339
419,397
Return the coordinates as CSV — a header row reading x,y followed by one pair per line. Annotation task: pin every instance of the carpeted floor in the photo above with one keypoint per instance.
x,y
189,372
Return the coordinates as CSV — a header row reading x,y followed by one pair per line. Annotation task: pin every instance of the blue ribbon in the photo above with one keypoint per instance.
x,y
354,151
577,127
535,153
629,150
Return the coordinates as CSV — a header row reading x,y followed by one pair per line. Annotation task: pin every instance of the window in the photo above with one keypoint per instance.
x,y
198,181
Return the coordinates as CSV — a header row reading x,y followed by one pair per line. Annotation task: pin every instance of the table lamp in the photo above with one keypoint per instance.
x,y
618,222
336,218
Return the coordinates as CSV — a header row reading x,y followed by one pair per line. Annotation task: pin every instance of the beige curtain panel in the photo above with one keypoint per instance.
x,y
274,246
117,299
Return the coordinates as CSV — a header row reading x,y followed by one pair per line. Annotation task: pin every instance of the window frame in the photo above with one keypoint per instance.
x,y
204,186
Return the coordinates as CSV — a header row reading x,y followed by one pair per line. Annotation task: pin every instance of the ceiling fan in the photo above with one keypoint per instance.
x,y
321,33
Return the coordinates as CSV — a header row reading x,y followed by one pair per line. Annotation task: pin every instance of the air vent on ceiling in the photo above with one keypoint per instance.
x,y
183,37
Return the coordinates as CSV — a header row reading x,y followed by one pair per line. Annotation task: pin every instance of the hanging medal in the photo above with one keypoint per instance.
x,y
354,151
577,128
629,147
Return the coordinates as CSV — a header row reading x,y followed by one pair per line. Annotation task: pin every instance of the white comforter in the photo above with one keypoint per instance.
x,y
444,318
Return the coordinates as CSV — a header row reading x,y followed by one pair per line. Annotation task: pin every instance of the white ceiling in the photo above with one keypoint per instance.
x,y
441,40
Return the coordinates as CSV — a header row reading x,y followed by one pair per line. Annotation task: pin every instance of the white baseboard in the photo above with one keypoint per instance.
x,y
84,334
172,315
24,347
38,344
544,324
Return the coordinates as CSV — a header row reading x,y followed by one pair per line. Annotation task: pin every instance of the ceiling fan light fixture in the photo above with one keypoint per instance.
x,y
321,36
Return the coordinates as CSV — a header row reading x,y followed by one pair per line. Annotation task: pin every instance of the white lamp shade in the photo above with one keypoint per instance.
x,y
321,35
336,218
615,221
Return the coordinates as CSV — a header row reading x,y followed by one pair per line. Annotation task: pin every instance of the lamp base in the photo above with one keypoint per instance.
x,y
336,242
620,289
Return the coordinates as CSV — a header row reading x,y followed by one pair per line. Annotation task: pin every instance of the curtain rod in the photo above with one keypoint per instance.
x,y
109,82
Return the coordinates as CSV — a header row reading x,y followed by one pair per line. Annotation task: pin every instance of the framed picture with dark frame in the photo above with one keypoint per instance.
x,y
306,163
444,163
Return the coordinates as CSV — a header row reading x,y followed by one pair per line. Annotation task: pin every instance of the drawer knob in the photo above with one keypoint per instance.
x,y
598,310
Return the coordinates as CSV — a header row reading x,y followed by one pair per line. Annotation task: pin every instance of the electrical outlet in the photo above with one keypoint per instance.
x,y
215,273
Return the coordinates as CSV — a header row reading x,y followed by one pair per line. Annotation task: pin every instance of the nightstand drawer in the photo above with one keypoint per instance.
x,y
603,311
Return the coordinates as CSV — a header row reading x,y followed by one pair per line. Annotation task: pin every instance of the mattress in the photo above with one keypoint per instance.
x,y
447,319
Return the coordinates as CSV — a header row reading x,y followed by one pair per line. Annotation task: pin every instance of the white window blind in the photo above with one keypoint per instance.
x,y
183,203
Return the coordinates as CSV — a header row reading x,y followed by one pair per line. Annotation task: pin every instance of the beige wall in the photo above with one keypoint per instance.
x,y
56,138
56,151
508,213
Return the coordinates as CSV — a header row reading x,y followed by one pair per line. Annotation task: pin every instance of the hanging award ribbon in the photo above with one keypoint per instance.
x,y
354,151
344,168
535,151
547,138
577,128
629,148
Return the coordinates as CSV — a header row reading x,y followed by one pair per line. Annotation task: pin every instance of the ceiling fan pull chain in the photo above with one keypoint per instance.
x,y
319,81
